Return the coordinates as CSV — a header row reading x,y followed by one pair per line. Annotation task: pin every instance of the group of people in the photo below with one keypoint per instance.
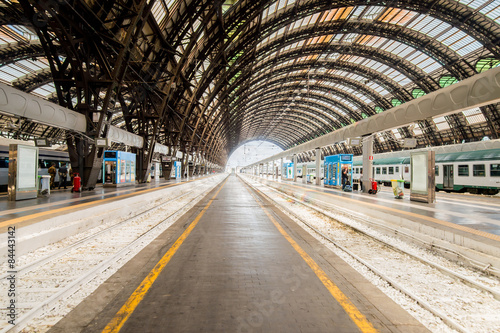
x,y
63,174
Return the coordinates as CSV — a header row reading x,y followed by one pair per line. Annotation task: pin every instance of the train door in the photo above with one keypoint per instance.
x,y
448,176
109,172
347,166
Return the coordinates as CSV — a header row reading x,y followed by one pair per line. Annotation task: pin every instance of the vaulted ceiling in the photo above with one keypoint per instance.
x,y
205,76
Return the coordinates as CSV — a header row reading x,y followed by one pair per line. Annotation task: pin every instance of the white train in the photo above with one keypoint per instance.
x,y
476,172
310,170
45,159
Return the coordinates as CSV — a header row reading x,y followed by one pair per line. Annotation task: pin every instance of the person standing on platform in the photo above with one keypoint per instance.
x,y
52,172
344,177
63,173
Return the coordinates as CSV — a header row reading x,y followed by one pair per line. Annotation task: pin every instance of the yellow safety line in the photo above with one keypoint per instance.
x,y
428,218
357,317
82,205
128,308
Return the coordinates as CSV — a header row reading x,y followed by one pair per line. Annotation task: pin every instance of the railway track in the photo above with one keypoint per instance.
x,y
464,300
47,283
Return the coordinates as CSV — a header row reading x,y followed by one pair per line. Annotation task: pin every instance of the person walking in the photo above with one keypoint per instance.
x,y
63,173
52,172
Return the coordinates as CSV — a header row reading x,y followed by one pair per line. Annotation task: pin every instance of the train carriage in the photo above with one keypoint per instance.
x,y
310,171
473,171
45,158
476,172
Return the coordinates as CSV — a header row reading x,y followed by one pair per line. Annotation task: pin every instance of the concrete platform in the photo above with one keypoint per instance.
x,y
25,212
244,267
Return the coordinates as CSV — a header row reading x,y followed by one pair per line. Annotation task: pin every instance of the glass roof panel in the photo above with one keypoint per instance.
x,y
8,74
474,3
15,33
281,4
397,16
492,11
45,91
373,12
358,12
378,88
428,25
158,11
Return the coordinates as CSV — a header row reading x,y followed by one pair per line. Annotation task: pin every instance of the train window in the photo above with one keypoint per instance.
x,y
397,170
45,164
4,162
495,170
384,170
436,170
407,169
378,171
463,170
360,171
479,170
391,170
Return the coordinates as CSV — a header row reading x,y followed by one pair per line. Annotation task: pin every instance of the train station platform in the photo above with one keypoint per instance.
x,y
459,225
60,201
236,263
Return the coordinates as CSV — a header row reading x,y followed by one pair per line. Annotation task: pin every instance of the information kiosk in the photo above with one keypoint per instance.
x,y
288,171
334,164
178,169
118,168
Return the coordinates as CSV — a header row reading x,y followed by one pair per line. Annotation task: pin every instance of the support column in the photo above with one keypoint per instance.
x,y
295,168
304,174
367,163
281,169
318,166
191,169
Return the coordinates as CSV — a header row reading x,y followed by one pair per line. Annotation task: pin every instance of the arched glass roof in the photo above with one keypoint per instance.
x,y
217,74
